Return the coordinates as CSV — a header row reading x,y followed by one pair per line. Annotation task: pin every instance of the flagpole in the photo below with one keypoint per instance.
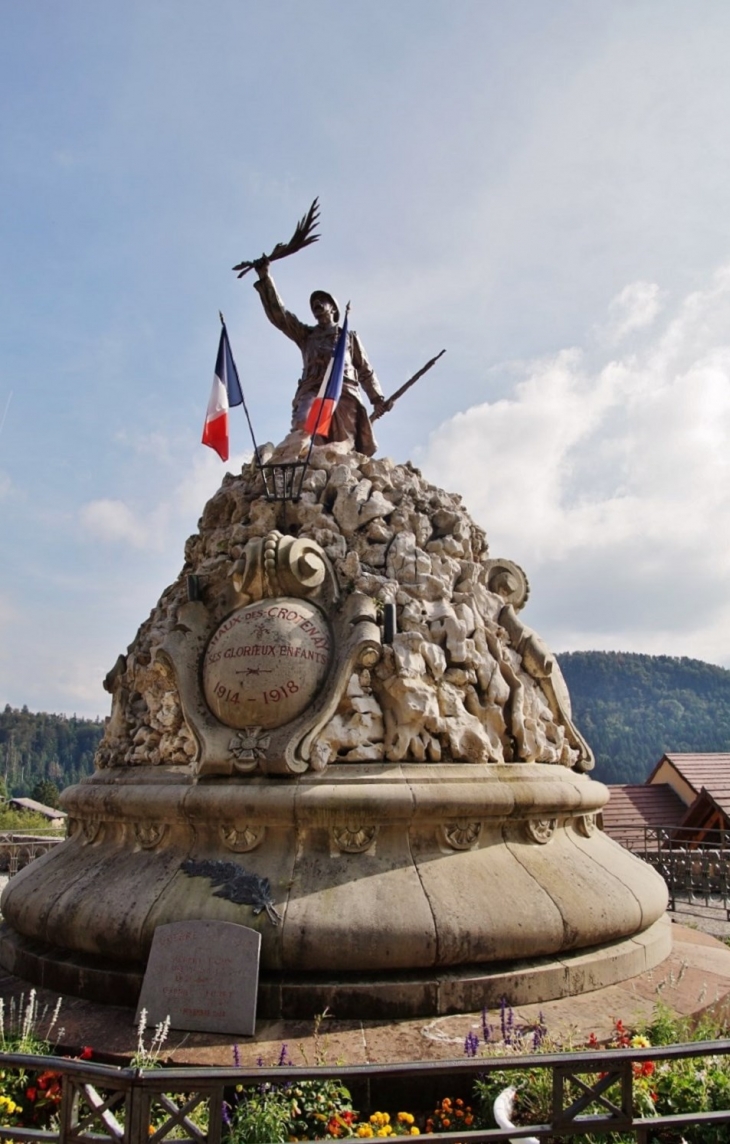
x,y
243,399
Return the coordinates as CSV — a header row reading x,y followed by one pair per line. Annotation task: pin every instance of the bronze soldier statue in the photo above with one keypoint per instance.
x,y
351,422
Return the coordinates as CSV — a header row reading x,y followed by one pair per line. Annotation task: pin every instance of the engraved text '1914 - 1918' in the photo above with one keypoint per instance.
x,y
266,662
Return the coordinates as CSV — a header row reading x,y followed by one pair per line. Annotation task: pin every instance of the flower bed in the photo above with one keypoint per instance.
x,y
643,1079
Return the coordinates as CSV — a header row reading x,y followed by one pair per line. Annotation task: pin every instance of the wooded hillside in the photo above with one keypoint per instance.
x,y
633,708
37,748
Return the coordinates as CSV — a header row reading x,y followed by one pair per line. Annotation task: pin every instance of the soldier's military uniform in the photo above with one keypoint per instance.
x,y
351,422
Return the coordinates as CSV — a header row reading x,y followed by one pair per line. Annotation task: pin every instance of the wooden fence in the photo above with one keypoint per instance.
x,y
110,1105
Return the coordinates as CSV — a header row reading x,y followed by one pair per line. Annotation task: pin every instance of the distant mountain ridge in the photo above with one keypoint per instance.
x,y
634,708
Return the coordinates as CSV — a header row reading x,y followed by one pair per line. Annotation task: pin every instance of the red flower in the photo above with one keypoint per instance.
x,y
31,1093
646,1068
623,1038
86,1053
593,1040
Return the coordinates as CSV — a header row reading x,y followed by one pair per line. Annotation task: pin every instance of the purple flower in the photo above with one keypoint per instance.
x,y
487,1029
226,1114
503,1017
284,1055
540,1031
471,1044
236,1057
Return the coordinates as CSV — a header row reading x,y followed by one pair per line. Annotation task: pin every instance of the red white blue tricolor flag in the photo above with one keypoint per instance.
x,y
225,393
319,418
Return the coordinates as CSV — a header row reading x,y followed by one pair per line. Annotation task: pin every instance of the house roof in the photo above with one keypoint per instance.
x,y
38,807
632,807
709,771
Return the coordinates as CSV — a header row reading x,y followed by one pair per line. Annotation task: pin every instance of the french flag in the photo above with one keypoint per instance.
x,y
322,409
225,393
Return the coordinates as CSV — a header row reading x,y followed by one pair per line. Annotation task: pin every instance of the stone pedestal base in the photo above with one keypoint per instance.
x,y
400,888
394,996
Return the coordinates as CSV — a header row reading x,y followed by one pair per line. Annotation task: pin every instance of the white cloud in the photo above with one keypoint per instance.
x,y
611,485
162,524
114,521
634,308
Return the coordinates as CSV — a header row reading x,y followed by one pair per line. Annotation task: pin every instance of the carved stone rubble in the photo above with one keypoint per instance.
x,y
464,680
336,727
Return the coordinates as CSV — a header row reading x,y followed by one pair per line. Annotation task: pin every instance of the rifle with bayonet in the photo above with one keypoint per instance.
x,y
389,402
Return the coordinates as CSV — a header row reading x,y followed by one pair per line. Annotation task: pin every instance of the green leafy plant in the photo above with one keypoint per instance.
x,y
26,1098
660,1088
24,1028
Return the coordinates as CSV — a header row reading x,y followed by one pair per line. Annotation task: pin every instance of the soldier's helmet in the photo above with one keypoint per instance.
x,y
325,297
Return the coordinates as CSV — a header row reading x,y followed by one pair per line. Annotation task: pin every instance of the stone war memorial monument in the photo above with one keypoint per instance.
x,y
337,728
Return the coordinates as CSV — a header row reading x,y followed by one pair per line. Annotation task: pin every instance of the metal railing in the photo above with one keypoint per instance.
x,y
110,1105
18,849
695,864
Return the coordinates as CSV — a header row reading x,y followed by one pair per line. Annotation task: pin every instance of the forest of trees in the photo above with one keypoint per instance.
x,y
631,709
37,749
634,708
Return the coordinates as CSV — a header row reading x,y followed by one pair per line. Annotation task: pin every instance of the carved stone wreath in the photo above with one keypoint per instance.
x,y
150,834
241,839
92,830
585,824
353,839
540,830
460,835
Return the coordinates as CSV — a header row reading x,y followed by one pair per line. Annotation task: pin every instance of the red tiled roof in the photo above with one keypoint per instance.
x,y
709,771
632,807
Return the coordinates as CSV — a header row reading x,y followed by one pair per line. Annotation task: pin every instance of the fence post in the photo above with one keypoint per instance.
x,y
136,1121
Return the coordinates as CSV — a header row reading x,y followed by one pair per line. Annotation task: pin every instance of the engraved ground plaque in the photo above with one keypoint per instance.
x,y
266,662
204,976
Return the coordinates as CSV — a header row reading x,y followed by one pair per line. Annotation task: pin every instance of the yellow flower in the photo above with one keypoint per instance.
x,y
639,1042
405,1118
414,1131
364,1130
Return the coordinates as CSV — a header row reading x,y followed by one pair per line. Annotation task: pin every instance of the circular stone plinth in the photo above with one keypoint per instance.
x,y
349,996
266,662
417,885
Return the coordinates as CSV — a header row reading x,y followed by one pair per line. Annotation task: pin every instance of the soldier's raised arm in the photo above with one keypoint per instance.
x,y
274,308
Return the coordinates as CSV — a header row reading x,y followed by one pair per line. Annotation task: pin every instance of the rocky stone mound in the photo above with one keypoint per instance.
x,y
462,679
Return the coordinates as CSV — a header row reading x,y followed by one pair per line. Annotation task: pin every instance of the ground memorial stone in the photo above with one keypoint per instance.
x,y
203,975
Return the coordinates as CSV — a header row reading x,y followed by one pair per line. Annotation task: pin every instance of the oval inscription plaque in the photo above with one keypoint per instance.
x,y
266,662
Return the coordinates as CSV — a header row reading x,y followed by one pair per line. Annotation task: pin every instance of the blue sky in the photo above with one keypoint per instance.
x,y
540,188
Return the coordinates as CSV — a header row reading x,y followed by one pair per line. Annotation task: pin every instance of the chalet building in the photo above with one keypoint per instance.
x,y
57,817
686,796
